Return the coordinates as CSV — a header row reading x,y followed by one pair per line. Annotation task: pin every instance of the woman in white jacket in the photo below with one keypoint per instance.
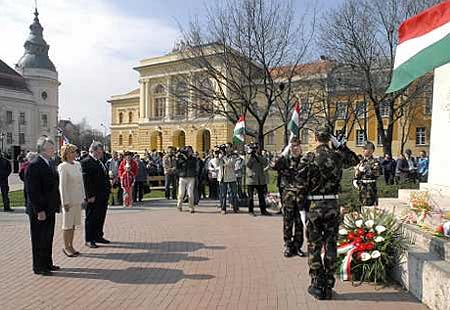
x,y
71,189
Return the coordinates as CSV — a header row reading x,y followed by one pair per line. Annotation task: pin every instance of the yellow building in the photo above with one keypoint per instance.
x,y
150,118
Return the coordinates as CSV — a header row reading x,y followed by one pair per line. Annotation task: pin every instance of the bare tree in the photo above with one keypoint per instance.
x,y
361,35
234,56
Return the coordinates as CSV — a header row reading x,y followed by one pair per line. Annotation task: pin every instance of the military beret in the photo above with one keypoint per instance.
x,y
323,130
369,146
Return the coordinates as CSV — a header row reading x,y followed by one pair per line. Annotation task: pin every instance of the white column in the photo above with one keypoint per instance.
x,y
141,100
149,104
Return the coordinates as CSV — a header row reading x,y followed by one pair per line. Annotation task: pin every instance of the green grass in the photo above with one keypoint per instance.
x,y
348,196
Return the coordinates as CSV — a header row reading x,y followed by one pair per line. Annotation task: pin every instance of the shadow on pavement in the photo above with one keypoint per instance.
x,y
147,257
380,296
132,275
166,246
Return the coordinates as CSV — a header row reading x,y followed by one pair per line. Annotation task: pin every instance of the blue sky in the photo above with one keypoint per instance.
x,y
95,44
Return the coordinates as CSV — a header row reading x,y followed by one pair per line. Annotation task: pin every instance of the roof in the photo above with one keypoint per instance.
x,y
9,78
317,67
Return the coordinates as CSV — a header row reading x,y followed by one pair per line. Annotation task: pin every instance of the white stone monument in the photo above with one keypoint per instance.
x,y
439,170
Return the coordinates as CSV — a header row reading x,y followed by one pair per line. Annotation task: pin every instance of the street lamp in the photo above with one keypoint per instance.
x,y
104,135
2,138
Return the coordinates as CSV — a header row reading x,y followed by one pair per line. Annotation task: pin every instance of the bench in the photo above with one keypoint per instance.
x,y
156,182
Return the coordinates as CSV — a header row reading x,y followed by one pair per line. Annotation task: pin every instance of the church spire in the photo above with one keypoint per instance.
x,y
36,49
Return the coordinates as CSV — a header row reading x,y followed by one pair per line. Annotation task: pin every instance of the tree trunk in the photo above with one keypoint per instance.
x,y
260,136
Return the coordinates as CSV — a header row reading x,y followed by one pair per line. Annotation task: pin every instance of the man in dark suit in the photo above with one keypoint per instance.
x,y
5,171
43,202
97,188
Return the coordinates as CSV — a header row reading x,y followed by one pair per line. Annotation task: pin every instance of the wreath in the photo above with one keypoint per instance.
x,y
369,246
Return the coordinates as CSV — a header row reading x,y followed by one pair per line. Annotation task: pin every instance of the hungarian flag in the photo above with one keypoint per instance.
x,y
239,131
424,44
294,123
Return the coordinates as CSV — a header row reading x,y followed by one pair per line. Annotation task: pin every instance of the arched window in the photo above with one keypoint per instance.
x,y
159,95
130,117
130,139
120,118
120,140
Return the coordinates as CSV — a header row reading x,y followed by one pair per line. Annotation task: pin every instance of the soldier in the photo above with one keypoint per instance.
x,y
324,169
366,174
292,197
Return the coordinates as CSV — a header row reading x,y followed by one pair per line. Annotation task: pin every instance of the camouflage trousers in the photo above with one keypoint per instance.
x,y
292,222
368,194
322,233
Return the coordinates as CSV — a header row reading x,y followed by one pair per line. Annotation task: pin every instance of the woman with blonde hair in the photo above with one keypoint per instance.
x,y
72,193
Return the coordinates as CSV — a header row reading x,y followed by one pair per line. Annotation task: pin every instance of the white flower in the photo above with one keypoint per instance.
x,y
380,229
379,239
343,231
375,254
365,256
359,223
369,223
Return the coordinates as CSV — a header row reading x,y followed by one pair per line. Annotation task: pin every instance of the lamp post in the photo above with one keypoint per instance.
x,y
104,135
2,138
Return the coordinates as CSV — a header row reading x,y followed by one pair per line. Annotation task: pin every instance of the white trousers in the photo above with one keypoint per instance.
x,y
183,185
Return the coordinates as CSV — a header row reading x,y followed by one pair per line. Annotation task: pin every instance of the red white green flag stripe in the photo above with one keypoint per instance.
x,y
424,44
294,123
239,131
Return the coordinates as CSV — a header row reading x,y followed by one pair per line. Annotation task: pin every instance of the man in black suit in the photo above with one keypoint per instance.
x,y
43,202
5,171
97,188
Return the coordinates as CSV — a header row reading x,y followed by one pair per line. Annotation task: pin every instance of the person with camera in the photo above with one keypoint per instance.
x,y
187,168
256,165
227,178
292,189
170,177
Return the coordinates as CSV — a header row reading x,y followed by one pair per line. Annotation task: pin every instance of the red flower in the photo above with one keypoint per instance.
x,y
360,232
358,240
369,246
351,236
440,229
370,235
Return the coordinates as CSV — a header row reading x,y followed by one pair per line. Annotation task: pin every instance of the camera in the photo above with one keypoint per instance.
x,y
182,153
251,148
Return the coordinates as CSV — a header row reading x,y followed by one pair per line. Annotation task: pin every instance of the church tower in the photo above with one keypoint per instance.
x,y
42,80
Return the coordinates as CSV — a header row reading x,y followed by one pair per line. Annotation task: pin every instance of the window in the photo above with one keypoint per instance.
x,y
9,139
44,120
341,110
130,117
385,109
379,140
120,140
304,107
130,139
421,136
205,105
120,118
160,107
9,117
429,105
21,138
181,101
22,118
360,109
360,137
270,140
304,136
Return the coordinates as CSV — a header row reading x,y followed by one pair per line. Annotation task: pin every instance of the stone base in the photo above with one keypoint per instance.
x,y
440,194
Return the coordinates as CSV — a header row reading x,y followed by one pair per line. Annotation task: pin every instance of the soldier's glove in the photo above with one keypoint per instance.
x,y
355,184
362,168
335,142
286,150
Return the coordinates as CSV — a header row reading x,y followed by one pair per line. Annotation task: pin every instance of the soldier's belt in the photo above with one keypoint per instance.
x,y
368,181
322,197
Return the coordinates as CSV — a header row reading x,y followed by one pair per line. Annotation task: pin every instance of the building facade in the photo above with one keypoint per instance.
x,y
150,118
29,95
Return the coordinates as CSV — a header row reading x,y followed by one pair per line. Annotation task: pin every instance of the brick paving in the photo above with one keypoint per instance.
x,y
163,259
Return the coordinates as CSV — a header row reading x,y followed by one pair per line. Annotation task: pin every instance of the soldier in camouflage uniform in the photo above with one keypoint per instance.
x,y
366,174
324,172
292,197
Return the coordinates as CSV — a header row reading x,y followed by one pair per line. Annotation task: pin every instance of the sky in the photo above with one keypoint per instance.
x,y
95,44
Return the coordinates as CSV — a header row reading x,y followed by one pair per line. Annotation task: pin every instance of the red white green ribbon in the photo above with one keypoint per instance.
x,y
345,267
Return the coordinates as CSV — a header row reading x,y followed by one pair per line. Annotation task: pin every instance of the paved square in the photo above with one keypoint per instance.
x,y
163,259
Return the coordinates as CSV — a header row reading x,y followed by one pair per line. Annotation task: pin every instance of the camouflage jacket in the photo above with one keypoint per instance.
x,y
372,169
292,174
324,168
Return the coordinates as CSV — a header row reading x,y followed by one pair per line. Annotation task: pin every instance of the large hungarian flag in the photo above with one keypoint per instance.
x,y
424,44
294,123
239,131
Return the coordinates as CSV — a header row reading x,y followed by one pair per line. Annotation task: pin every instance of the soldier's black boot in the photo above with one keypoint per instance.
x,y
316,290
328,293
288,251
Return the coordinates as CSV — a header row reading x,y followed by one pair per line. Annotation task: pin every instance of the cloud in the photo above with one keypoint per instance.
x,y
93,45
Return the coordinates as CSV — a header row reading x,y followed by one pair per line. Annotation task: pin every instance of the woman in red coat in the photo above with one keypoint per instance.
x,y
127,172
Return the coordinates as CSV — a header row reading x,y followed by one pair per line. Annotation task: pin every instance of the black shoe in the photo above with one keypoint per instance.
x,y
8,210
316,292
102,240
300,253
44,273
328,293
265,213
287,252
54,268
91,245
